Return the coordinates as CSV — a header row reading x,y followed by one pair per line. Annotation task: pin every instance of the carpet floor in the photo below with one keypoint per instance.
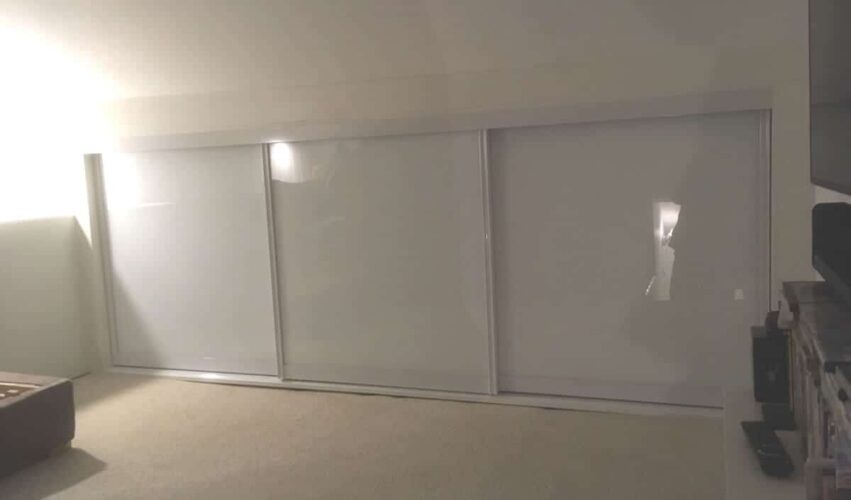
x,y
152,438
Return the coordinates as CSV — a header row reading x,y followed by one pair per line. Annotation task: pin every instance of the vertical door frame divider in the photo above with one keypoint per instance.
x,y
764,209
95,162
766,204
493,374
273,256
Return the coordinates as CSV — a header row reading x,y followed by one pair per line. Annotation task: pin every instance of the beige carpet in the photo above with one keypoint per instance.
x,y
146,438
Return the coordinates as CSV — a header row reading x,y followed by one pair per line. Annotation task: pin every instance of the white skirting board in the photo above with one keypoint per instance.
x,y
511,399
456,381
690,395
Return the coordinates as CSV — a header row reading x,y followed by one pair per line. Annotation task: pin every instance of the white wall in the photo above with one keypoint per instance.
x,y
41,306
51,309
46,320
194,67
217,65
823,195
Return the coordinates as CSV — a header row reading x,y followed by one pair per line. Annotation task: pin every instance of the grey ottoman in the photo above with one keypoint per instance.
x,y
36,418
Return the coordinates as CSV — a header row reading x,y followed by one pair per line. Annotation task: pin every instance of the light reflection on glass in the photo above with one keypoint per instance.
x,y
123,183
665,217
285,168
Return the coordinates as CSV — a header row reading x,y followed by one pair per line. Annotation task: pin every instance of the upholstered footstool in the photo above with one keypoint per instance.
x,y
36,418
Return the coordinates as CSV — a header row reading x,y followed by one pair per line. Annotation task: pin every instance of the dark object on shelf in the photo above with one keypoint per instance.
x,y
778,416
770,366
832,246
824,316
771,327
772,457
36,418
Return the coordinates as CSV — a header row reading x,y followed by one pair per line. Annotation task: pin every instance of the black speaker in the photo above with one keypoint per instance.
x,y
770,365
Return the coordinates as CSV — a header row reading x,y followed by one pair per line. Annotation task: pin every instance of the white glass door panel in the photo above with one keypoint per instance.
x,y
192,279
381,261
629,257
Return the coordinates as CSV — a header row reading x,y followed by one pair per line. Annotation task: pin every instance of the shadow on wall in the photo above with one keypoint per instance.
x,y
48,309
43,305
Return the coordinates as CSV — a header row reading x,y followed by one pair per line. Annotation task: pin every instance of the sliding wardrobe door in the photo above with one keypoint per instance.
x,y
381,261
191,267
630,257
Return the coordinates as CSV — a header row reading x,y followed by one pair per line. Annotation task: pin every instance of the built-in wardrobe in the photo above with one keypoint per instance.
x,y
617,260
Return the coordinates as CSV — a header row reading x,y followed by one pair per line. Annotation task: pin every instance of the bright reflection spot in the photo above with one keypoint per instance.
x,y
285,168
121,183
666,214
125,186
210,376
281,156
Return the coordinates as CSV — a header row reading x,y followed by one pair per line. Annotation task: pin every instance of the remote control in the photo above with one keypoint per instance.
x,y
773,459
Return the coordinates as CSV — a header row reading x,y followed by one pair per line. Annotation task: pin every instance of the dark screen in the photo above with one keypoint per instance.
x,y
830,94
